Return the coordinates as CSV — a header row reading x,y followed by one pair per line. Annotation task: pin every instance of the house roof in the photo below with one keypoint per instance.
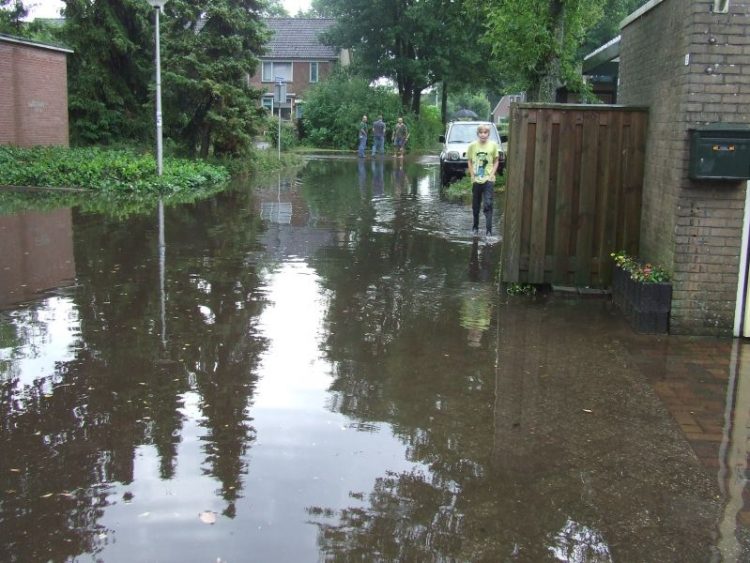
x,y
298,38
32,43
608,52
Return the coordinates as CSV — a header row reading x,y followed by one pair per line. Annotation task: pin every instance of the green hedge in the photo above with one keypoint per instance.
x,y
104,170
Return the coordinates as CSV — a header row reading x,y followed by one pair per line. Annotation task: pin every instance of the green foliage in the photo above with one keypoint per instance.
x,y
415,44
104,170
535,42
475,101
520,289
644,272
608,27
289,138
335,106
12,13
208,47
109,70
423,132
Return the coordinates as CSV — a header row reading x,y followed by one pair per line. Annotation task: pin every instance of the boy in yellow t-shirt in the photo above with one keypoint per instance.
x,y
483,158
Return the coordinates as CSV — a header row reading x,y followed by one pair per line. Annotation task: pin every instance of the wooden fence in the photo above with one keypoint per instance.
x,y
575,177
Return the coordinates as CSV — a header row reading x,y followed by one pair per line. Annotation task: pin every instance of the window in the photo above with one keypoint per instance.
x,y
273,70
313,72
267,102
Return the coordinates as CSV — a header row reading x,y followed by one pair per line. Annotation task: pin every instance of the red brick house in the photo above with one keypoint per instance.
x,y
502,109
33,93
297,54
687,61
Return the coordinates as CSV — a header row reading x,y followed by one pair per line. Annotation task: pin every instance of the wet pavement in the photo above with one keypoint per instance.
x,y
320,366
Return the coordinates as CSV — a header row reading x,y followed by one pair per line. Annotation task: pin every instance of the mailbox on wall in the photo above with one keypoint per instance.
x,y
720,151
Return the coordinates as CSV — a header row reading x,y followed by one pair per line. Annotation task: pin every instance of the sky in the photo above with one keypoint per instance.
x,y
51,8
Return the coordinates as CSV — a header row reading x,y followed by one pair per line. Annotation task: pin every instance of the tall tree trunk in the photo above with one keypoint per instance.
x,y
545,83
416,101
444,103
205,141
551,79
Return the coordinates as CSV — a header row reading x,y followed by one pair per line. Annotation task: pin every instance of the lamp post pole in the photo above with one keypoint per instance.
x,y
158,6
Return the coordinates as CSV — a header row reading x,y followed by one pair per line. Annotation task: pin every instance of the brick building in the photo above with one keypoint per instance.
x,y
33,93
297,54
689,62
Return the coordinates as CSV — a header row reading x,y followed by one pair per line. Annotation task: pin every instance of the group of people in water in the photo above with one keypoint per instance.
x,y
399,137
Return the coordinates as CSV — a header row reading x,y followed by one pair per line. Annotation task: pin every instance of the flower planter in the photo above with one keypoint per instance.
x,y
642,292
619,281
646,306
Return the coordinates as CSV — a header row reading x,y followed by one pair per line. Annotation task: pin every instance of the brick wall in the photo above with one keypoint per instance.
x,y
693,228
33,95
300,77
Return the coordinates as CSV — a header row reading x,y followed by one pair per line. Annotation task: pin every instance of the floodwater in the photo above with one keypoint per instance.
x,y
321,367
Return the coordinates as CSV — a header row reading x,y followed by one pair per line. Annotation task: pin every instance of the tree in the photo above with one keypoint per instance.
x,y
208,49
415,43
275,9
12,13
535,42
608,27
212,48
380,34
109,70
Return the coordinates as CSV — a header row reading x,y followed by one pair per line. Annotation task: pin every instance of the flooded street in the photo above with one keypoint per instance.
x,y
320,367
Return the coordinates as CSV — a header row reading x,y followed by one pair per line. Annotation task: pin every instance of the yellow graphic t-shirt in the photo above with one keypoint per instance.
x,y
482,157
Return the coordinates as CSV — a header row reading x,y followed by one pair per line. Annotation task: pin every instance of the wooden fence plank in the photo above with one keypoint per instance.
x,y
514,195
587,199
540,197
612,241
563,210
603,195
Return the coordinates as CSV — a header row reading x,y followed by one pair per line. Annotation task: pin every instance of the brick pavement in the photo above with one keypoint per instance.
x,y
705,385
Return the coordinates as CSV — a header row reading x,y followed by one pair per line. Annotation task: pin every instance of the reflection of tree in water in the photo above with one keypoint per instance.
x,y
515,470
64,442
502,481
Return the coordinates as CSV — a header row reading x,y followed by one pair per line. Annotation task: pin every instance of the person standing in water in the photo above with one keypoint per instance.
x,y
400,136
362,137
483,158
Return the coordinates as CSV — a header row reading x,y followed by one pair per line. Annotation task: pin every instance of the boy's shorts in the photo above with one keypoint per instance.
x,y
399,143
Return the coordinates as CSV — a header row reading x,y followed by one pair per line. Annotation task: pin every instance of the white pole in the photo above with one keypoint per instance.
x,y
159,167
162,274
279,139
741,325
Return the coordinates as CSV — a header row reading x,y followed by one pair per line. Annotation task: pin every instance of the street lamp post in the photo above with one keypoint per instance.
x,y
158,6
280,98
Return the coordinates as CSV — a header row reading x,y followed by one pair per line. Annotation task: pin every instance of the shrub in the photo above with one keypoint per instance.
x,y
334,107
104,170
289,138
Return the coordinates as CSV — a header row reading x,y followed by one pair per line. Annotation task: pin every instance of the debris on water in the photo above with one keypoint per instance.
x,y
208,517
588,411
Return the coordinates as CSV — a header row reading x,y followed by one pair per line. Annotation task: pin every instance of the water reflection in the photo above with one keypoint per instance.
x,y
37,254
321,366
